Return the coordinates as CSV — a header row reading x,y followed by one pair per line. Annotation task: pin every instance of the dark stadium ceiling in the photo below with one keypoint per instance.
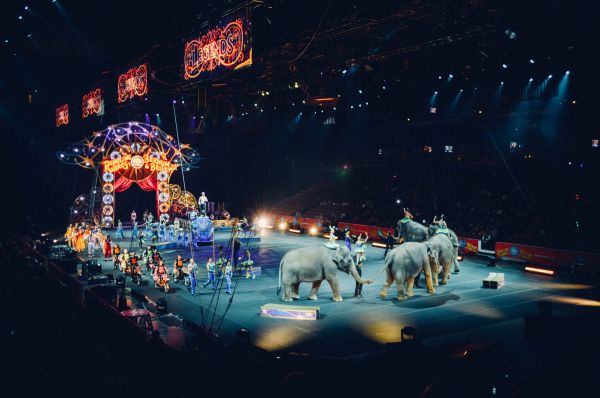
x,y
84,43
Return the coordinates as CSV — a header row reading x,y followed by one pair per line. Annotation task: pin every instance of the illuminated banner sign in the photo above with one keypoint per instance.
x,y
226,46
133,83
544,256
91,103
62,115
136,162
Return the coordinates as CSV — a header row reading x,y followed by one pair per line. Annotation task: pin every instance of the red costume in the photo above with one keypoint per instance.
x,y
107,248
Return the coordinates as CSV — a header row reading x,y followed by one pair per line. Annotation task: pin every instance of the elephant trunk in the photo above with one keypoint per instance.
x,y
357,277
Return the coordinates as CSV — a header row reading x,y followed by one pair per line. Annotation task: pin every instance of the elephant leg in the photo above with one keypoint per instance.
x,y
295,288
430,288
409,286
401,292
287,290
435,278
335,289
446,276
388,283
315,288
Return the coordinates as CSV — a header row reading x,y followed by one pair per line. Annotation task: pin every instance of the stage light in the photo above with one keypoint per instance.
x,y
435,92
539,270
440,77
157,115
294,231
397,201
313,230
568,72
6,40
383,88
504,66
502,83
530,79
344,71
461,90
26,8
450,76
366,103
351,106
282,226
62,155
20,17
532,61
360,91
262,222
303,101
379,244
549,76
360,105
29,35
459,258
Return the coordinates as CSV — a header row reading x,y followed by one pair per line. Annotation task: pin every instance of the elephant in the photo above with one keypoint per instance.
x,y
441,245
411,231
314,264
433,229
405,262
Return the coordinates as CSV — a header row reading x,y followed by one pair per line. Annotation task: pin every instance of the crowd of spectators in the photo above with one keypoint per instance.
x,y
524,200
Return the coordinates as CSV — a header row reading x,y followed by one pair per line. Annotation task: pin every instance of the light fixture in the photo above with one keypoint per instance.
x,y
530,79
532,61
549,76
538,270
504,66
566,73
20,17
26,8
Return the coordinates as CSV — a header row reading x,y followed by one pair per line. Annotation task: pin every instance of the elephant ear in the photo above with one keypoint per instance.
x,y
337,257
433,258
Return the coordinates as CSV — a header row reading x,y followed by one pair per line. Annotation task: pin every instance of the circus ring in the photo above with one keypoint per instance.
x,y
135,153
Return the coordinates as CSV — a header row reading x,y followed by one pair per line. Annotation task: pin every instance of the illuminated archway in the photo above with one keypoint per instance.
x,y
132,153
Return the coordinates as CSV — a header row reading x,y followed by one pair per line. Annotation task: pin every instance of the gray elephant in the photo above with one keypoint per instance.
x,y
441,245
411,231
314,264
405,262
435,229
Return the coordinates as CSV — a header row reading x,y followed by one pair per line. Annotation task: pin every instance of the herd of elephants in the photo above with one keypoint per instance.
x,y
432,250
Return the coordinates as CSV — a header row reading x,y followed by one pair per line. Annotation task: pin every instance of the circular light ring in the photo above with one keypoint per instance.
x,y
193,215
107,199
163,176
107,188
174,191
107,220
115,155
135,147
163,208
137,162
164,217
163,197
107,210
108,177
163,186
155,155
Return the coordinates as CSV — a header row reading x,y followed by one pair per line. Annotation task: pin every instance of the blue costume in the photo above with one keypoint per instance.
x,y
348,242
120,230
171,232
192,271
134,230
228,275
211,275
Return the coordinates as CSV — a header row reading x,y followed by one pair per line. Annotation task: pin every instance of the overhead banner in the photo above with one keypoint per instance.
x,y
133,83
91,103
225,46
62,115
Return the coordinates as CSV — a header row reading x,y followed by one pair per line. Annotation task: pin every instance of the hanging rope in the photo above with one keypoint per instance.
x,y
313,36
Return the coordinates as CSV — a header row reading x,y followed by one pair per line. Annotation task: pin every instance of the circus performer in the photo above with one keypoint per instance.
x,y
124,259
247,264
360,247
141,240
80,240
154,232
220,263
210,267
91,243
348,240
73,237
332,238
192,270
358,286
180,236
178,267
407,216
133,217
202,202
163,231
150,218
171,232
134,230
107,248
176,224
228,271
68,234
119,232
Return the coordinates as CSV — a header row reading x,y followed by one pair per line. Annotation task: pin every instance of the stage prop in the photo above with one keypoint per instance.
x,y
493,281
298,312
225,46
129,153
62,115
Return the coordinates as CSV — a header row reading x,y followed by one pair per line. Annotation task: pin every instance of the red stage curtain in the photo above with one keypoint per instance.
x,y
122,184
149,184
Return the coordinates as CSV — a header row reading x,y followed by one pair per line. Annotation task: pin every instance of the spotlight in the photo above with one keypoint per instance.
x,y
262,222
397,201
282,226
504,66
450,76
538,270
157,114
344,71
502,83
566,73
549,76
26,8
313,231
532,61
383,88
360,91
435,92
20,17
440,77
530,79
6,41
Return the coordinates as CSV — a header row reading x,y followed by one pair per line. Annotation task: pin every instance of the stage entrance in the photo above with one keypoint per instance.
x,y
135,153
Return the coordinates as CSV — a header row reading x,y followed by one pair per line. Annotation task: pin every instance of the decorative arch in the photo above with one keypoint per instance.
x,y
132,153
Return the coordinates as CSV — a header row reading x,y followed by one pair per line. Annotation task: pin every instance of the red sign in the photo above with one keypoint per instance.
x,y
91,103
468,245
223,47
62,115
544,256
133,82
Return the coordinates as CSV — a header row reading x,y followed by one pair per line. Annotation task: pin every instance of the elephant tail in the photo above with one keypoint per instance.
x,y
279,278
387,267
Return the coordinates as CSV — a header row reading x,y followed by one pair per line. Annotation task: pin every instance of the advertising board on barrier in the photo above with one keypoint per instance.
x,y
544,256
468,245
